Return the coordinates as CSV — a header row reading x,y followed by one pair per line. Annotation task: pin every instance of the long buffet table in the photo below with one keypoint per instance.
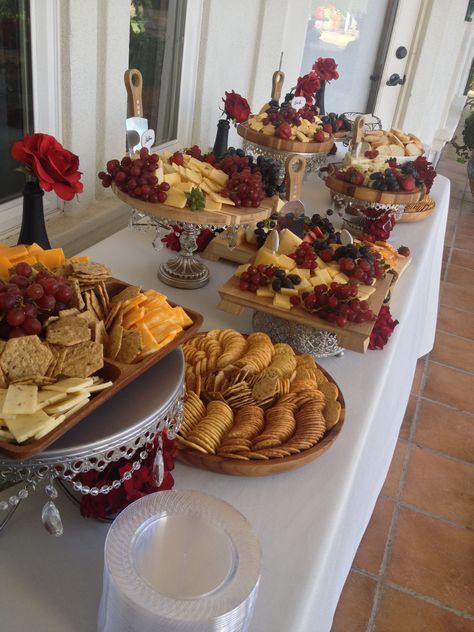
x,y
309,521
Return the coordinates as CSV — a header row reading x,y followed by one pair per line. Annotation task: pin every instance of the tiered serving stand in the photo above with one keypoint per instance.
x,y
186,270
123,427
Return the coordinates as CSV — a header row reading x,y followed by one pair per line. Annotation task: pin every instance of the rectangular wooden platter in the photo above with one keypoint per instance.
x,y
354,336
120,374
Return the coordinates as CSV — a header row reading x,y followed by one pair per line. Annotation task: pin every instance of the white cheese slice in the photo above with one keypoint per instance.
x,y
70,385
21,399
23,427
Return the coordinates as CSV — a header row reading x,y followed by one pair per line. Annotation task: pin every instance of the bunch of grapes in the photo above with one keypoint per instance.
x,y
245,188
308,112
359,263
386,181
304,256
270,170
337,303
282,114
331,236
26,301
263,228
263,275
136,177
234,161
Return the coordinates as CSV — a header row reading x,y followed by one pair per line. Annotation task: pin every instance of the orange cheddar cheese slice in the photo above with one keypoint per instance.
x,y
146,335
33,249
181,316
53,258
133,302
5,265
81,259
133,316
14,252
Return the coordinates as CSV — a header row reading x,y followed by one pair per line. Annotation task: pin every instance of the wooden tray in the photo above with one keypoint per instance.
x,y
355,336
121,375
273,142
221,465
366,194
228,216
415,217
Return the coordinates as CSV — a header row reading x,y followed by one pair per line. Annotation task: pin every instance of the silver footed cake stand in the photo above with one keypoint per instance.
x,y
123,427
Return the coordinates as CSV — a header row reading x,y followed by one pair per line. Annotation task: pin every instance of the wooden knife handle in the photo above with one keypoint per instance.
x,y
134,84
358,129
277,84
295,166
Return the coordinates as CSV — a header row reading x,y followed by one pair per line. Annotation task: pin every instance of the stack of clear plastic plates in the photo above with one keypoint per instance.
x,y
179,561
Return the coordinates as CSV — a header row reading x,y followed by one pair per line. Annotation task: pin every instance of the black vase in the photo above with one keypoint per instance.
x,y
222,138
33,229
320,97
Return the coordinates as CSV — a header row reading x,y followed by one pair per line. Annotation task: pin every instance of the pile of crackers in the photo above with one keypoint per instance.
x,y
248,398
425,204
393,143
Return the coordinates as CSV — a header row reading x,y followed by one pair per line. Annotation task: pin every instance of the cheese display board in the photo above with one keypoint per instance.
x,y
355,336
270,410
119,373
280,144
227,216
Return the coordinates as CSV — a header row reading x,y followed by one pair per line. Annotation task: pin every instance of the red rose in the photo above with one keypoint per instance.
x,y
55,167
236,107
307,86
325,67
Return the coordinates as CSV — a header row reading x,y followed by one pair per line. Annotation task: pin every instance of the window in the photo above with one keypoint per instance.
x,y
16,99
156,49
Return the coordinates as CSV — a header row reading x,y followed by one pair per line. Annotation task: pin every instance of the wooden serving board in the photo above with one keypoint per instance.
x,y
366,194
235,467
121,375
355,336
228,216
279,144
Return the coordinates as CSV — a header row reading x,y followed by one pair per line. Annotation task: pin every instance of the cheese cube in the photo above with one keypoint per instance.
x,y
242,268
289,291
325,276
286,262
266,257
304,273
341,278
176,198
265,291
282,301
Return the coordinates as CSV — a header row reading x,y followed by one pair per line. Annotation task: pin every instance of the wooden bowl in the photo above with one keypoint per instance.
x,y
278,144
234,467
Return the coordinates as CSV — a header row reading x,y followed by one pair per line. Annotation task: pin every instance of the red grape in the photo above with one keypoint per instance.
x,y
64,294
47,302
35,291
16,332
50,285
15,316
19,280
23,269
7,301
30,309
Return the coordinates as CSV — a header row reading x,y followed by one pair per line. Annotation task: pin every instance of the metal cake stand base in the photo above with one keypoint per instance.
x,y
122,428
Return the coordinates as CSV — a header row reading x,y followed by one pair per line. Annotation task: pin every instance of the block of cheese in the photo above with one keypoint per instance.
x,y
341,278
325,276
172,178
289,242
53,258
265,291
304,273
289,291
242,268
193,176
267,258
176,198
282,301
286,262
219,176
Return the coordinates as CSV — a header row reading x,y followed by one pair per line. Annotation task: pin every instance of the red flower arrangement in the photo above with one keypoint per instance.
x,y
426,171
142,483
236,107
171,240
325,68
307,86
383,329
50,164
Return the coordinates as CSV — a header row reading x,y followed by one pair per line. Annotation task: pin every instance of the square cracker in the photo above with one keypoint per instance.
x,y
68,331
24,357
131,346
83,359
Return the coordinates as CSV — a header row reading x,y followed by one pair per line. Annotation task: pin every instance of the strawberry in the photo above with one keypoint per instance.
x,y
327,127
283,131
408,183
317,232
404,251
355,177
177,158
319,136
339,124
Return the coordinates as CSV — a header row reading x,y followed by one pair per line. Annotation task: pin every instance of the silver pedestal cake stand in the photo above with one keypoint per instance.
x,y
123,427
314,162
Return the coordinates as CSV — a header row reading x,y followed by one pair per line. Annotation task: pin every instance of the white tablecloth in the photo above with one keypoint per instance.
x,y
309,521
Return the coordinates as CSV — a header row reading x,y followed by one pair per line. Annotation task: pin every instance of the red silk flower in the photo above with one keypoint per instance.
x,y
55,167
307,86
325,67
236,107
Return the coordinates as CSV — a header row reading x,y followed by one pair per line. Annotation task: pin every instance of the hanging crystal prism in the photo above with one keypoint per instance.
x,y
159,464
50,516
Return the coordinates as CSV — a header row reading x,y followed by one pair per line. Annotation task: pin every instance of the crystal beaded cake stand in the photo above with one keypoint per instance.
x,y
123,427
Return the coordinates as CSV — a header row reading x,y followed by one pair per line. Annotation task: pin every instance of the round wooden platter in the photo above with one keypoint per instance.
x,y
273,142
417,216
228,216
366,194
235,467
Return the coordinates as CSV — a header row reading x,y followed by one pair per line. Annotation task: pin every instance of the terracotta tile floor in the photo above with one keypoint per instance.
x,y
414,569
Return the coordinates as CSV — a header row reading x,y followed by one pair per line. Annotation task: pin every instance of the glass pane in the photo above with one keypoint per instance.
x,y
349,31
156,49
16,103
